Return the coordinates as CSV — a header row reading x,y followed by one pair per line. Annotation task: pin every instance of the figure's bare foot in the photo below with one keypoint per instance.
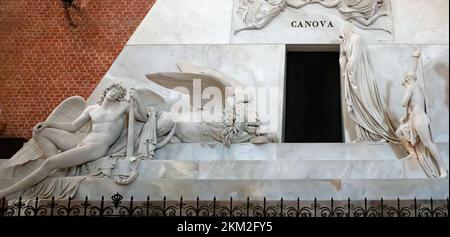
x,y
444,174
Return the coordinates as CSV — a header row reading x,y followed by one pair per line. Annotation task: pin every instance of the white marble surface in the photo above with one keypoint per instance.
x,y
185,22
270,162
253,65
390,64
435,62
339,151
280,169
285,151
356,189
307,170
152,49
353,170
421,21
150,169
211,22
389,189
280,30
271,189
217,152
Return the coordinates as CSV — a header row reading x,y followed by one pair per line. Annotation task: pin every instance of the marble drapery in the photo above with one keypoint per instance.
x,y
364,103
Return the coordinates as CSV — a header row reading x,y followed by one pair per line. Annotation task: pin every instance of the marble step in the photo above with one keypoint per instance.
x,y
356,189
279,170
287,151
265,170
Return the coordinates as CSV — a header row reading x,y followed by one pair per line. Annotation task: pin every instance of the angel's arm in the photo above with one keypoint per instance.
x,y
416,56
71,126
138,108
140,112
407,96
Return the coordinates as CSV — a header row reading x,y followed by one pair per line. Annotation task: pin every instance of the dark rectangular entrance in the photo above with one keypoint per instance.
x,y
313,98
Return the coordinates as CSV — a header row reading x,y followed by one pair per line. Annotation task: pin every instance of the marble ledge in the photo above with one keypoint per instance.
x,y
287,151
264,170
271,189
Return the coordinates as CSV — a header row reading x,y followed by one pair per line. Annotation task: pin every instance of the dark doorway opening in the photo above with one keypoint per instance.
x,y
313,98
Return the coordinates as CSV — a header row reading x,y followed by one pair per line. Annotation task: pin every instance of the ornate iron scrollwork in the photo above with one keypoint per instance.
x,y
117,206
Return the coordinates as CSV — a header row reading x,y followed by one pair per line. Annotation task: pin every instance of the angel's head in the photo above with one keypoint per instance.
x,y
115,92
347,32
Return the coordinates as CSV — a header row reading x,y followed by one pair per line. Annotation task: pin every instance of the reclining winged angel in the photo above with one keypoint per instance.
x,y
78,139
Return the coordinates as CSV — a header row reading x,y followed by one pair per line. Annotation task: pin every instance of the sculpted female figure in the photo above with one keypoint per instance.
x,y
365,105
414,132
108,119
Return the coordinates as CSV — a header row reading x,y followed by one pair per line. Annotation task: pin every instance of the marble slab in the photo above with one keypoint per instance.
x,y
280,30
338,151
268,170
150,170
435,62
258,66
193,151
288,170
372,189
421,21
287,151
271,189
185,22
390,64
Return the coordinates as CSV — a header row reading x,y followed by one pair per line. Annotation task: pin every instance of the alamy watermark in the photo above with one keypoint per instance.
x,y
215,104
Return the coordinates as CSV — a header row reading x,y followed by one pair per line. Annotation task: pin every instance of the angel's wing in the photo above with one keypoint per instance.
x,y
67,111
242,14
152,99
215,75
185,79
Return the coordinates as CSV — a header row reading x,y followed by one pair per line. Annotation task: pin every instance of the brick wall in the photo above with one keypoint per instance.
x,y
44,60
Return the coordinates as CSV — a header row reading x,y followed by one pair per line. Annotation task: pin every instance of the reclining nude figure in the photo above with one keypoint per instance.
x,y
108,119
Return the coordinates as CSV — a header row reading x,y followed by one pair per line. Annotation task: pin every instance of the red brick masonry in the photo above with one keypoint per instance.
x,y
44,60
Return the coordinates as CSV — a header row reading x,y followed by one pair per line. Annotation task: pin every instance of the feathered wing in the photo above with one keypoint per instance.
x,y
189,72
67,111
215,75
152,99
242,10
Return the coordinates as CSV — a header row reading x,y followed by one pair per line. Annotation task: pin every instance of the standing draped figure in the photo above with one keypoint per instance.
x,y
364,103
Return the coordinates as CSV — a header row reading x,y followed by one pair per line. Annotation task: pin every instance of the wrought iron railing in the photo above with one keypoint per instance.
x,y
118,207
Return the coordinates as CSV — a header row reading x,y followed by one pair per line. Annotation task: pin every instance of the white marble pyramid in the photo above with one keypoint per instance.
x,y
201,32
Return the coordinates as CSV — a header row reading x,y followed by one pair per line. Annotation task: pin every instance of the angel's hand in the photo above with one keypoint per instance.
x,y
418,53
133,94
